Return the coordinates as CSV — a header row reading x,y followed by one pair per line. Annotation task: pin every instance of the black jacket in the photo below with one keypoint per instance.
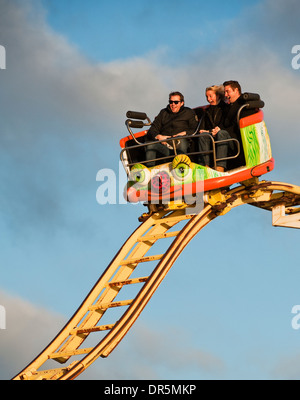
x,y
231,125
230,122
213,116
168,123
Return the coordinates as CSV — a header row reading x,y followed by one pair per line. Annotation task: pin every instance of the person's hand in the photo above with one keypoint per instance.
x,y
180,134
215,130
162,137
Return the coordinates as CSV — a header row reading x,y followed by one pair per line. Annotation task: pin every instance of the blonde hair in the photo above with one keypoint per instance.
x,y
218,89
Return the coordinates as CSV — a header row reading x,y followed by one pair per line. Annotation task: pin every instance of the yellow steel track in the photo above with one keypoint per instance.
x,y
127,270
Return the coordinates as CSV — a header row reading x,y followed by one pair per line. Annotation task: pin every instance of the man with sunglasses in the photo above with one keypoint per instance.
x,y
174,121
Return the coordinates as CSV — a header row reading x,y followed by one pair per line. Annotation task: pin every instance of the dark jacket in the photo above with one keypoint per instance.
x,y
213,116
168,123
231,125
230,122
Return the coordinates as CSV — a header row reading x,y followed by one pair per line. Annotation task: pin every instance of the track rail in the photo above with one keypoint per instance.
x,y
108,298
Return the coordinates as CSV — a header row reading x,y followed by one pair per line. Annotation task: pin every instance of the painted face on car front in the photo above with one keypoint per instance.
x,y
175,103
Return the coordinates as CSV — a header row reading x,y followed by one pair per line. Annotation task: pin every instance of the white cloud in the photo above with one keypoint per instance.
x,y
171,350
287,367
50,86
29,329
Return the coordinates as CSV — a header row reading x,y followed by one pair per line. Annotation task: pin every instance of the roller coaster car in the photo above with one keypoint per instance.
x,y
179,177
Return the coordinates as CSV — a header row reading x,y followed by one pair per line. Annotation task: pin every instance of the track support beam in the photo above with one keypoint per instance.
x,y
107,297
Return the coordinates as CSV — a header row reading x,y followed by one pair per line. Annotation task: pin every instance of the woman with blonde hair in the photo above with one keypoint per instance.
x,y
212,123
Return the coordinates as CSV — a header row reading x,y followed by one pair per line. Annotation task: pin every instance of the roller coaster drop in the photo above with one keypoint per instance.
x,y
101,319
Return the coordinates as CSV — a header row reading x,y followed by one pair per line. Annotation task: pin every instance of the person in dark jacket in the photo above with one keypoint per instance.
x,y
174,121
233,92
212,123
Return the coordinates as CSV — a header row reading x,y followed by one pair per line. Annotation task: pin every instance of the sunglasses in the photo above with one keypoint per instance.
x,y
174,101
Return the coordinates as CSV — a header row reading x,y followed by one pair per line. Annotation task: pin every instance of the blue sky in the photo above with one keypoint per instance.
x,y
107,31
73,70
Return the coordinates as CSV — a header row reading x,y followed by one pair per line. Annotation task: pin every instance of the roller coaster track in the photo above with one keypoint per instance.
x,y
107,299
